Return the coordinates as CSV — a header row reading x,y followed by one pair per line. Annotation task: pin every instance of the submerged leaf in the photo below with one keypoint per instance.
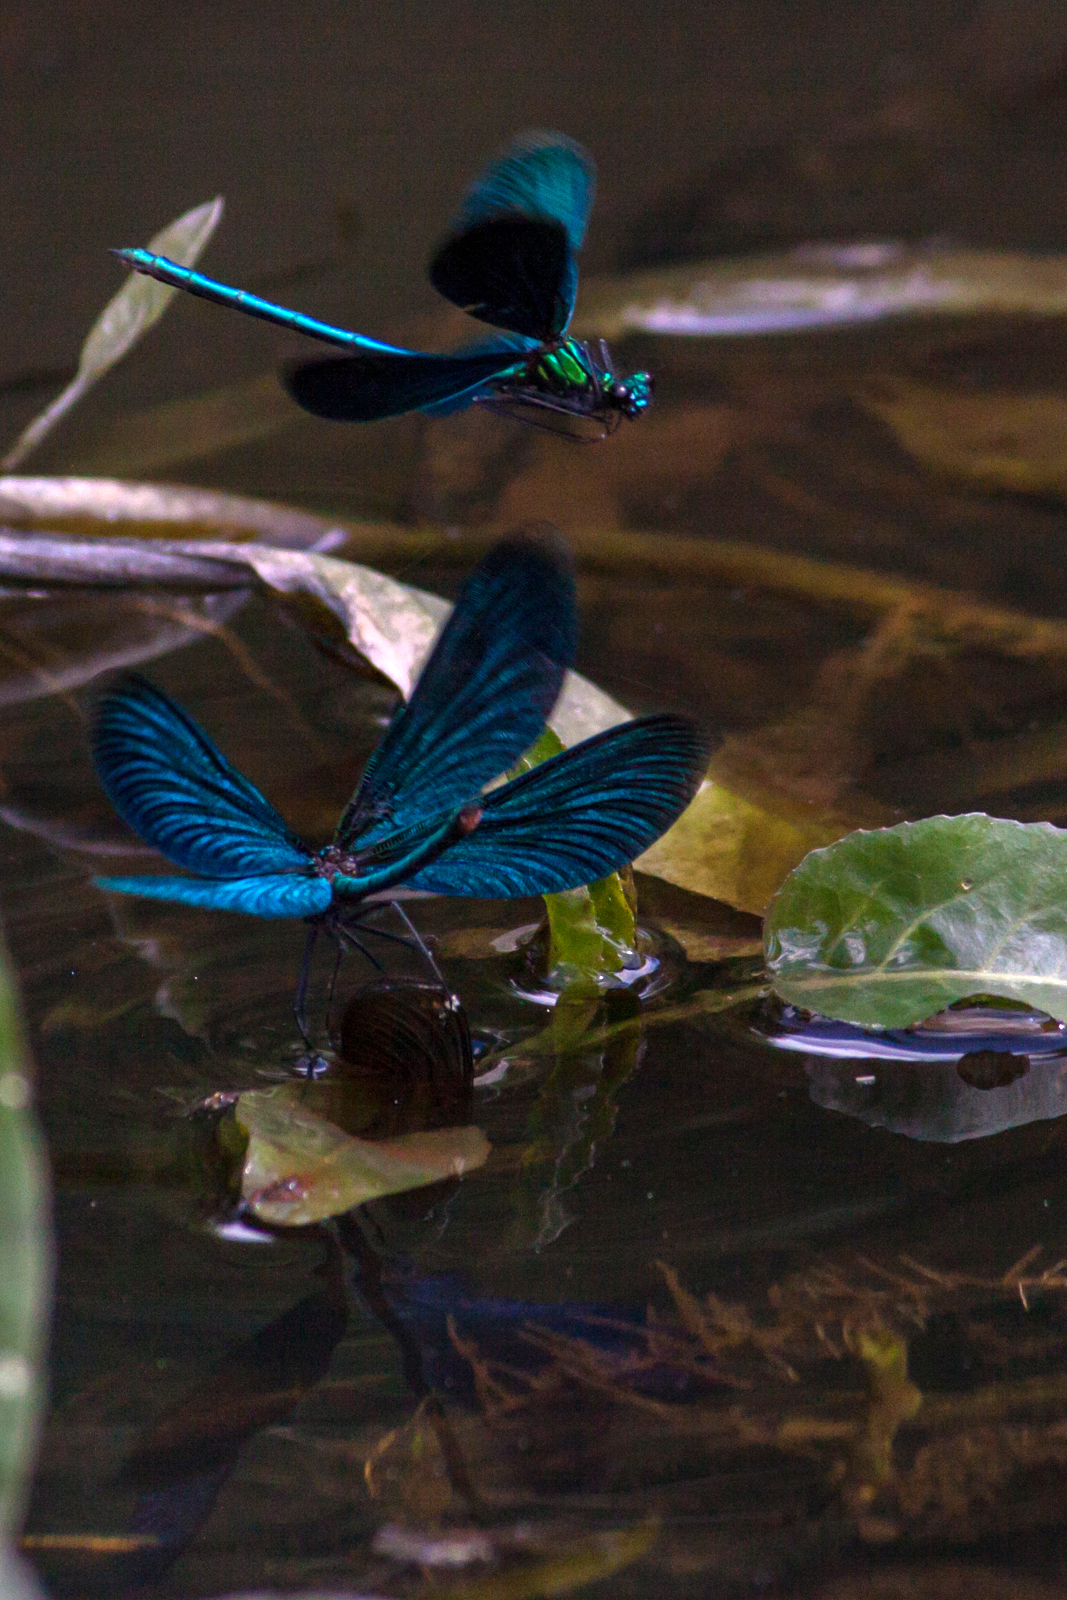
x,y
189,428
1006,441
734,849
891,925
140,302
300,1168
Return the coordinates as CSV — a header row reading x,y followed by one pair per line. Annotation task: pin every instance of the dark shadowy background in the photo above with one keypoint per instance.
x,y
341,136
342,133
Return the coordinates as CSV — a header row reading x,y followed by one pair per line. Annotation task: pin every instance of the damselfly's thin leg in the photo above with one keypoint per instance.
x,y
338,953
415,942
347,940
300,1002
421,944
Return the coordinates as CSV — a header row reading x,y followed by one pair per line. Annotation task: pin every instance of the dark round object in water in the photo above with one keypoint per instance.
x,y
992,1069
404,1062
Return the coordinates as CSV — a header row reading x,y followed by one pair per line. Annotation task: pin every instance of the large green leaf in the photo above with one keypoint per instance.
x,y
140,302
891,925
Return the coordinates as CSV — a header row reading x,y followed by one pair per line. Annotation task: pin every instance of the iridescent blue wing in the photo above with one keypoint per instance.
x,y
509,259
169,782
377,384
277,895
541,175
483,695
221,294
577,817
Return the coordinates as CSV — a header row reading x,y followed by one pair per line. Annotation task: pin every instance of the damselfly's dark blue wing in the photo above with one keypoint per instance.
x,y
523,348
169,782
577,817
269,895
377,384
509,259
222,294
483,696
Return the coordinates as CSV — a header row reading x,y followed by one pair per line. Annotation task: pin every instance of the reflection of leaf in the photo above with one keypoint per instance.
x,y
574,1116
140,302
1016,442
891,925
931,1100
187,429
820,286
574,1563
570,1032
300,1168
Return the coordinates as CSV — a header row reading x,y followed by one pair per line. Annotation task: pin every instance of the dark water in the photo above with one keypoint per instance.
x,y
740,1166
236,1414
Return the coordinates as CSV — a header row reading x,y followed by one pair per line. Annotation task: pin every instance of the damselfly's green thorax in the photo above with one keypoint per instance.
x,y
574,380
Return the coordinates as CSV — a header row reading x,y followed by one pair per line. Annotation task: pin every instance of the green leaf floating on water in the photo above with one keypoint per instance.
x,y
127,315
890,925
299,1168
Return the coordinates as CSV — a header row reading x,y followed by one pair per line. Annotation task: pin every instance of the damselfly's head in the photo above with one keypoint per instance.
x,y
633,395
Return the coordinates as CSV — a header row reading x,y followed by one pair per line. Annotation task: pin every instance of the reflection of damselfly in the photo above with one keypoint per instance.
x,y
421,816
